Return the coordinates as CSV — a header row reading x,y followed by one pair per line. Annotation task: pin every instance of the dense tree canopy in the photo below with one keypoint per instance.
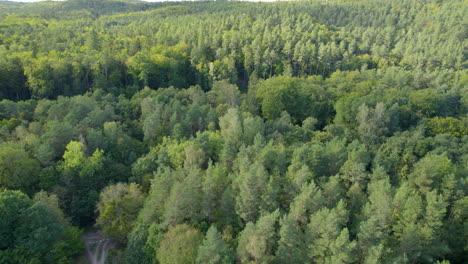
x,y
234,132
33,233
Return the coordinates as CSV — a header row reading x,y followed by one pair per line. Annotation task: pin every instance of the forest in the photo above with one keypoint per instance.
x,y
224,132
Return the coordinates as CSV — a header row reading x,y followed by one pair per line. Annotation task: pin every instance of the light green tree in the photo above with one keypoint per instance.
x,y
328,238
252,184
257,241
179,245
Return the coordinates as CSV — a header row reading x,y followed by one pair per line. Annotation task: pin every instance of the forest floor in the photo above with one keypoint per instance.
x,y
97,247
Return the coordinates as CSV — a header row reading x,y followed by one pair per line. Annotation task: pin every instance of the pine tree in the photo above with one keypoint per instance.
x,y
270,198
257,241
371,237
431,227
251,184
291,245
214,250
214,185
298,176
375,227
333,191
184,202
328,238
309,201
429,172
342,249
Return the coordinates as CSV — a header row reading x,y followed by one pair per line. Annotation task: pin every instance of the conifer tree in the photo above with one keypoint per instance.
x,y
309,201
251,184
214,250
258,240
292,246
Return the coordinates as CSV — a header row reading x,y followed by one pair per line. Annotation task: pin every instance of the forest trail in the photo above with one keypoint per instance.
x,y
97,247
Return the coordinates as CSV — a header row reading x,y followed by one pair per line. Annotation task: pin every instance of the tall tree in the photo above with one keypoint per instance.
x,y
251,184
257,240
292,247
214,250
328,238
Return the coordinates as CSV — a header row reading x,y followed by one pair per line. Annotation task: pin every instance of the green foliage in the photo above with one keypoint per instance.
x,y
118,207
430,170
214,250
276,93
161,67
328,239
373,124
215,185
184,208
318,132
71,246
257,241
17,169
179,245
449,125
252,185
310,199
83,176
291,244
32,232
137,252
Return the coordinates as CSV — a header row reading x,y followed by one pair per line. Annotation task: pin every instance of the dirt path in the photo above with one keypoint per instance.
x,y
97,247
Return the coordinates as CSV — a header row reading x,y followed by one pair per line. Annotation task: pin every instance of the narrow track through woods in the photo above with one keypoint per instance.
x,y
97,247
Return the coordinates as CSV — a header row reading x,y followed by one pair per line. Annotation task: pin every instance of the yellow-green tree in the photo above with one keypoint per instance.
x,y
118,209
179,245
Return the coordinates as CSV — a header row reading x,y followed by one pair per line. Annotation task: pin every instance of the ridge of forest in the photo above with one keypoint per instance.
x,y
234,132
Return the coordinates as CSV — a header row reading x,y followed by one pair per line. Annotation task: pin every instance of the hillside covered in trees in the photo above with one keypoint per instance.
x,y
321,132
